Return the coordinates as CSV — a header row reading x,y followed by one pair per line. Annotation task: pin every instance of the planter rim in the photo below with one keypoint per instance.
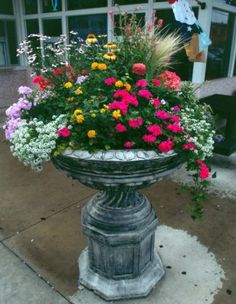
x,y
117,155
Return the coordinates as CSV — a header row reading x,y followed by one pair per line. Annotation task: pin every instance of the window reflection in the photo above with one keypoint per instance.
x,y
219,50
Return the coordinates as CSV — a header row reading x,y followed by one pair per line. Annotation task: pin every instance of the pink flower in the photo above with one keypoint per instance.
x,y
162,114
166,146
189,146
120,128
175,118
118,105
142,83
110,81
128,144
204,171
136,122
175,128
156,82
155,130
149,138
145,94
171,80
176,109
130,99
139,69
64,132
121,93
156,102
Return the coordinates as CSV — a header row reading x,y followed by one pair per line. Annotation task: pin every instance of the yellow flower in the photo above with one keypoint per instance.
x,y
105,106
78,91
70,99
91,133
78,112
68,85
116,114
94,65
91,38
119,84
80,118
110,45
103,110
110,56
93,115
102,66
127,86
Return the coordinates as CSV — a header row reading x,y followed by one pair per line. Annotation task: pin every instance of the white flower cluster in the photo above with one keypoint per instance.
x,y
34,141
196,123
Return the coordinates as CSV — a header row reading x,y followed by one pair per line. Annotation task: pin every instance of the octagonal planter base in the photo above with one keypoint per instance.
x,y
110,289
119,221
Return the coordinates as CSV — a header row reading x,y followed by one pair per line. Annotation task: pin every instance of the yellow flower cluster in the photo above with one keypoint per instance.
x,y
79,116
104,109
91,38
110,56
99,66
120,84
116,114
68,85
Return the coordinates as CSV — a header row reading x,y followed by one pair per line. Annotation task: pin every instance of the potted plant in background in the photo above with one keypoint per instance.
x,y
114,117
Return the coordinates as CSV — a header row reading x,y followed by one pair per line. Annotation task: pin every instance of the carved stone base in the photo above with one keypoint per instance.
x,y
110,289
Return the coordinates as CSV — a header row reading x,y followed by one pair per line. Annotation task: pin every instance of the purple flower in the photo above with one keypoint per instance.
x,y
11,126
81,79
24,90
13,111
24,104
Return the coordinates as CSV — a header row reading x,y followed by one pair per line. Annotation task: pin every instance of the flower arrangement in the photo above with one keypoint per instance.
x,y
117,95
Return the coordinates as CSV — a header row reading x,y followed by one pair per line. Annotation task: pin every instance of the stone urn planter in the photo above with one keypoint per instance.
x,y
119,221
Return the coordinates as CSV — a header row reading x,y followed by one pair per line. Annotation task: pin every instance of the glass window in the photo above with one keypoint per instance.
x,y
219,51
83,4
51,6
31,6
12,41
181,65
96,24
52,27
6,7
8,42
124,2
32,26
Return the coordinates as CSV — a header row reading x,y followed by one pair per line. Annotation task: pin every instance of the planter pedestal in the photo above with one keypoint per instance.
x,y
120,261
119,221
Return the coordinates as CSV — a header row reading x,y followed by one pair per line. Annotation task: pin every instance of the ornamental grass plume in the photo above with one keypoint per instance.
x,y
120,95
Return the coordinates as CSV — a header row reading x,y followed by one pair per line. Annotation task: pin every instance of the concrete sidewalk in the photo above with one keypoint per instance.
x,y
41,238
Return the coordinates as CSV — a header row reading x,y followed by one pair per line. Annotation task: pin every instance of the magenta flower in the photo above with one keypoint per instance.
x,y
120,128
118,105
135,123
162,114
121,93
166,145
145,93
141,83
110,81
156,102
149,138
175,128
189,146
130,99
176,109
175,118
155,130
156,82
64,132
128,144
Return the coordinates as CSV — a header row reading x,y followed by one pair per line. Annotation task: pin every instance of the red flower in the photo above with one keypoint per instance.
x,y
156,82
175,128
156,102
38,79
139,69
64,132
171,80
166,146
204,171
172,1
141,83
58,71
